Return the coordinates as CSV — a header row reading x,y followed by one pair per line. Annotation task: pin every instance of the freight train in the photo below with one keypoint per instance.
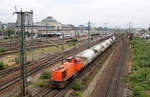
x,y
66,72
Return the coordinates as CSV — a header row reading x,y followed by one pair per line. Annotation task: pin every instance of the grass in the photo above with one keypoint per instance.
x,y
38,40
47,49
2,50
78,94
49,42
2,65
40,83
40,50
45,75
139,78
77,85
73,42
16,94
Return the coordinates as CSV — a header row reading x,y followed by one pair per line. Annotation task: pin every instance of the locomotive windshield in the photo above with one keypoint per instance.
x,y
68,60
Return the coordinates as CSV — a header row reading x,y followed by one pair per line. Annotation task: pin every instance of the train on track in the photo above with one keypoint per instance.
x,y
66,72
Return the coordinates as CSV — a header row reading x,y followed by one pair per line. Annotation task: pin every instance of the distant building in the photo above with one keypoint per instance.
x,y
68,29
67,26
47,25
81,28
11,26
50,21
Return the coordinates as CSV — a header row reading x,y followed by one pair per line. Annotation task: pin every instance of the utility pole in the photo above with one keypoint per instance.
x,y
76,30
58,39
32,40
89,34
3,31
130,27
46,31
62,47
22,55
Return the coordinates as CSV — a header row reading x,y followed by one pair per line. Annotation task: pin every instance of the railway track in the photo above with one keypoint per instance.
x,y
12,45
41,61
8,83
49,92
5,85
96,64
14,48
112,85
13,69
8,71
44,90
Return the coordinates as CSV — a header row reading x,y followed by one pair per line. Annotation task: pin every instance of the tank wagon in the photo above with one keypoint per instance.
x,y
66,72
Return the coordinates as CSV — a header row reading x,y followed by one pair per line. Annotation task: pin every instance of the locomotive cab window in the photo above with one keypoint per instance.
x,y
77,61
68,60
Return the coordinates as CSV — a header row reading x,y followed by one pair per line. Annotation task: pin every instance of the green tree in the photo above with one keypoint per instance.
x,y
3,30
149,29
27,33
9,32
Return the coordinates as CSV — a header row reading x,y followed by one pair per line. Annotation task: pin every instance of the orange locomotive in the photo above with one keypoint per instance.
x,y
66,72
71,67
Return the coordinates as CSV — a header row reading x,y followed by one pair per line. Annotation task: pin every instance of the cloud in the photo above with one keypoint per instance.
x,y
115,12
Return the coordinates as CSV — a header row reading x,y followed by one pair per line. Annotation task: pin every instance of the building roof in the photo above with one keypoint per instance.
x,y
49,19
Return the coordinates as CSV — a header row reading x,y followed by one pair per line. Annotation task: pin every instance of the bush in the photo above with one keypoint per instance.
x,y
72,44
2,49
140,75
78,94
45,75
77,85
73,40
40,83
2,65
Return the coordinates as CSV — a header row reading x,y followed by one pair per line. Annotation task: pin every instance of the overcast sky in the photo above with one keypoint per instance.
x,y
113,12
